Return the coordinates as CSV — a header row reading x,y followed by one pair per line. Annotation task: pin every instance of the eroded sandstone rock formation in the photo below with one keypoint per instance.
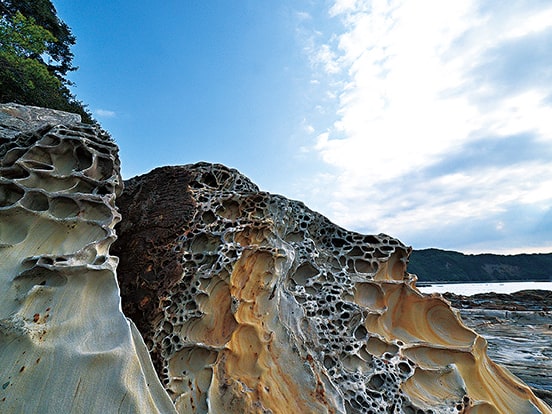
x,y
251,302
65,345
247,301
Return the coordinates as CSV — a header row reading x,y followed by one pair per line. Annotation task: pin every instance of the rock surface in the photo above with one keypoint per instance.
x,y
518,329
250,302
524,300
16,119
65,345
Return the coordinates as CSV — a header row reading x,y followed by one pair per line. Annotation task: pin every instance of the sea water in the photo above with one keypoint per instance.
x,y
474,288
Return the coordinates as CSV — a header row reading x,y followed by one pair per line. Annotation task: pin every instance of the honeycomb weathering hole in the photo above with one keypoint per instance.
x,y
64,207
35,201
10,194
13,230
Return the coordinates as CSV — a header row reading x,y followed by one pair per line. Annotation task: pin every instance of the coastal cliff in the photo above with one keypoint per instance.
x,y
65,345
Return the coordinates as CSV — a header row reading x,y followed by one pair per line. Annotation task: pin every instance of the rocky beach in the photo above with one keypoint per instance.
x,y
518,329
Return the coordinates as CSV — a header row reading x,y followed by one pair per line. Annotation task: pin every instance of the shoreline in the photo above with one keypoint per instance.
x,y
473,288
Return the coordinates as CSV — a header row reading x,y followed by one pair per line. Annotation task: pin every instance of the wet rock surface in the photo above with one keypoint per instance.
x,y
518,329
524,300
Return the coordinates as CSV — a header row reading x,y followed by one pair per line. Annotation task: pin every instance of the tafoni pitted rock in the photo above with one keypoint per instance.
x,y
252,303
65,345
248,302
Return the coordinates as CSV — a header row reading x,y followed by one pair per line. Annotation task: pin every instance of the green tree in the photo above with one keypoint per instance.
x,y
23,37
58,49
33,61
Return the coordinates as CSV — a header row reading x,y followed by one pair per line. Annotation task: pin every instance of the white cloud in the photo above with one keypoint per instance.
x,y
526,111
325,57
517,250
531,23
420,88
105,113
302,15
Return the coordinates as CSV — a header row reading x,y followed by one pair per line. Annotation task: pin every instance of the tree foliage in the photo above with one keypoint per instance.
x,y
21,36
35,56
44,15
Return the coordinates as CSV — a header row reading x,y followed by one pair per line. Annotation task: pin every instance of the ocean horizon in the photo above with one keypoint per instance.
x,y
469,289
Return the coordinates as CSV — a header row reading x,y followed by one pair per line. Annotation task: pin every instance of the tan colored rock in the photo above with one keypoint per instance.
x,y
249,302
65,345
260,305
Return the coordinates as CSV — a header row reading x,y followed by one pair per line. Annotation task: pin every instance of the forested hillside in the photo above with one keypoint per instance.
x,y
449,266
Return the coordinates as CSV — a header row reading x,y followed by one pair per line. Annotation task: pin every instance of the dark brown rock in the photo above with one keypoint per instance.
x,y
157,208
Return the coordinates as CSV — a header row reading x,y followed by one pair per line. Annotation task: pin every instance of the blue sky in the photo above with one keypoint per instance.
x,y
427,120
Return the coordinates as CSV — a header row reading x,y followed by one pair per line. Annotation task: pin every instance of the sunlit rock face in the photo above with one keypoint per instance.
x,y
248,302
65,345
252,303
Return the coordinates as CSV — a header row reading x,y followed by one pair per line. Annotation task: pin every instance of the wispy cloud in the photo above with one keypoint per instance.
x,y
442,135
105,113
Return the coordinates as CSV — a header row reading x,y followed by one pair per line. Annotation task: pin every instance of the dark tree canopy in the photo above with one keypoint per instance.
x,y
35,56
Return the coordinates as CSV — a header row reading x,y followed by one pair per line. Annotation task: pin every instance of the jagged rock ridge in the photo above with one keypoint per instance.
x,y
262,305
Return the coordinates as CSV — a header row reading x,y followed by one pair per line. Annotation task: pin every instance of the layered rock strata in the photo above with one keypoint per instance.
x,y
65,345
250,302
